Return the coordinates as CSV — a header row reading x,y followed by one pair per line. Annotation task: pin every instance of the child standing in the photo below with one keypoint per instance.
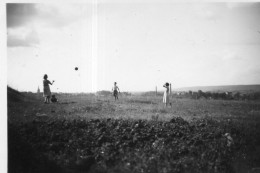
x,y
46,89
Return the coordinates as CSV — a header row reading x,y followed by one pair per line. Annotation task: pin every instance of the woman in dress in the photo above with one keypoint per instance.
x,y
46,89
166,98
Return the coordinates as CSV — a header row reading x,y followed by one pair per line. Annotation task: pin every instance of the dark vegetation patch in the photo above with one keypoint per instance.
x,y
67,102
140,101
23,157
14,96
116,145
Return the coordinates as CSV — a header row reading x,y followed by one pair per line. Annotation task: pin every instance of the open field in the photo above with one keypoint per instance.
x,y
87,133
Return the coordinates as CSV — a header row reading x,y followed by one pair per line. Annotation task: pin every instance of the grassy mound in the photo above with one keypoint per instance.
x,y
14,96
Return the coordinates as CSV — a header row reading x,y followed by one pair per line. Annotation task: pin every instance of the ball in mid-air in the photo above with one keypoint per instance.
x,y
76,68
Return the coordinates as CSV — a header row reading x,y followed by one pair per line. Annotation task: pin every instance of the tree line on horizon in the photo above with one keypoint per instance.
x,y
236,95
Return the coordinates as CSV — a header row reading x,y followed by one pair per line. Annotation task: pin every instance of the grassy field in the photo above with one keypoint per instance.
x,y
87,133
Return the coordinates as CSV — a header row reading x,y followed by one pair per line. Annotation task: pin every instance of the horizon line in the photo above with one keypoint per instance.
x,y
139,91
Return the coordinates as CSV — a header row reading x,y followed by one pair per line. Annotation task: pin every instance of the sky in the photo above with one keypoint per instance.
x,y
138,45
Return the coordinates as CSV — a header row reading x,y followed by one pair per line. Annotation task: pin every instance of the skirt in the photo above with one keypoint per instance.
x,y
46,91
115,93
166,98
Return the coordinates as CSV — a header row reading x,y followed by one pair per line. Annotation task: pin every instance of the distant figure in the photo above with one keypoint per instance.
x,y
38,90
46,89
115,91
54,99
166,98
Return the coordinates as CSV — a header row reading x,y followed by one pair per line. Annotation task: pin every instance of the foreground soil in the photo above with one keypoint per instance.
x,y
59,141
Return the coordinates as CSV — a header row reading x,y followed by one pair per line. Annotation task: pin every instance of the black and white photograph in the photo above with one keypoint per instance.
x,y
105,86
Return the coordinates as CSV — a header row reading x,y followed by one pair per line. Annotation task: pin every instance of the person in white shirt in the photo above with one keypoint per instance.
x,y
115,91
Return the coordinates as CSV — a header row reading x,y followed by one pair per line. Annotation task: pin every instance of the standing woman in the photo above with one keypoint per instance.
x,y
46,89
115,91
166,98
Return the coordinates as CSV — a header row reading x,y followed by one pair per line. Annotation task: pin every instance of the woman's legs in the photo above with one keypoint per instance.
x,y
48,99
45,99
